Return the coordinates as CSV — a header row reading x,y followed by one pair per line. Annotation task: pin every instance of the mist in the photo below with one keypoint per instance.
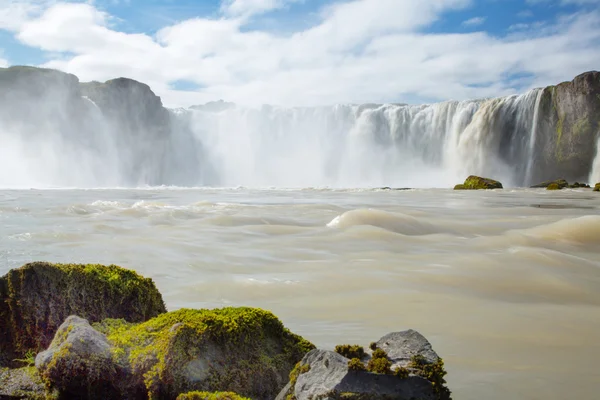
x,y
57,132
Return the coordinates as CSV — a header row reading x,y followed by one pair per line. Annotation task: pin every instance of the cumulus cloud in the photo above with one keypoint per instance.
x,y
357,51
475,21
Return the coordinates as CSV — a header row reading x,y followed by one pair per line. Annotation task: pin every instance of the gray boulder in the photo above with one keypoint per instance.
x,y
21,383
79,363
325,374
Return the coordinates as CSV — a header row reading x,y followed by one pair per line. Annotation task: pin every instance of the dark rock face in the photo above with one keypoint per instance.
x,y
137,114
36,299
569,128
325,374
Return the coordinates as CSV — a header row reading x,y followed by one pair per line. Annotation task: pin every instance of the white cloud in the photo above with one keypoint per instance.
x,y
359,51
252,7
475,21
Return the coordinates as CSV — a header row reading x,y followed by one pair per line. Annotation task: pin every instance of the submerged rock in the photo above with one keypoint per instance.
x,y
21,383
36,298
242,350
476,182
561,183
401,366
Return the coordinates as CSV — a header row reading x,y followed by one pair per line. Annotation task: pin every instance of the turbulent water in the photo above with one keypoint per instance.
x,y
393,145
504,283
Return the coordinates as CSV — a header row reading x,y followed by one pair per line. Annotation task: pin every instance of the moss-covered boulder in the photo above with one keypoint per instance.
x,y
597,187
476,182
242,350
36,298
561,183
211,396
400,366
79,364
21,383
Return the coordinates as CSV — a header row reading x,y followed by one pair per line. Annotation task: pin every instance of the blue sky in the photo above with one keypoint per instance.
x,y
301,52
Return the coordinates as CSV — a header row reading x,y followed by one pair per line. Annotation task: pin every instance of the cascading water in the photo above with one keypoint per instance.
x,y
357,146
368,145
595,173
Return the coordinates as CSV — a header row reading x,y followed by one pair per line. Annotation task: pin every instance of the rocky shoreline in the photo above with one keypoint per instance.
x,y
71,331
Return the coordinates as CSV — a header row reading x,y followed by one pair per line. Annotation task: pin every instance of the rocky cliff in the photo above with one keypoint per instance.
x,y
569,127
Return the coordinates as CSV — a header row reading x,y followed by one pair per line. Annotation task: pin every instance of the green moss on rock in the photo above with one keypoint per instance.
x,y
433,372
21,383
350,351
553,186
476,183
244,350
211,396
561,183
356,365
38,297
597,187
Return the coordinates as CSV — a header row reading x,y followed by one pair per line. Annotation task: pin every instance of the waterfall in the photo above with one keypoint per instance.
x,y
369,145
595,173
532,140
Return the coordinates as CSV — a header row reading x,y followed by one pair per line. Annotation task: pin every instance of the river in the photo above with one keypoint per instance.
x,y
505,284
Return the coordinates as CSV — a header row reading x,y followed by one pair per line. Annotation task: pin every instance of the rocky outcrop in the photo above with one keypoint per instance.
x,y
569,127
400,366
36,298
242,350
476,183
561,183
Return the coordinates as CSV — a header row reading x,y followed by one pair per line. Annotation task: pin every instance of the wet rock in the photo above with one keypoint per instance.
x,y
79,363
561,183
412,370
21,383
242,350
476,182
579,185
36,299
597,187
553,186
